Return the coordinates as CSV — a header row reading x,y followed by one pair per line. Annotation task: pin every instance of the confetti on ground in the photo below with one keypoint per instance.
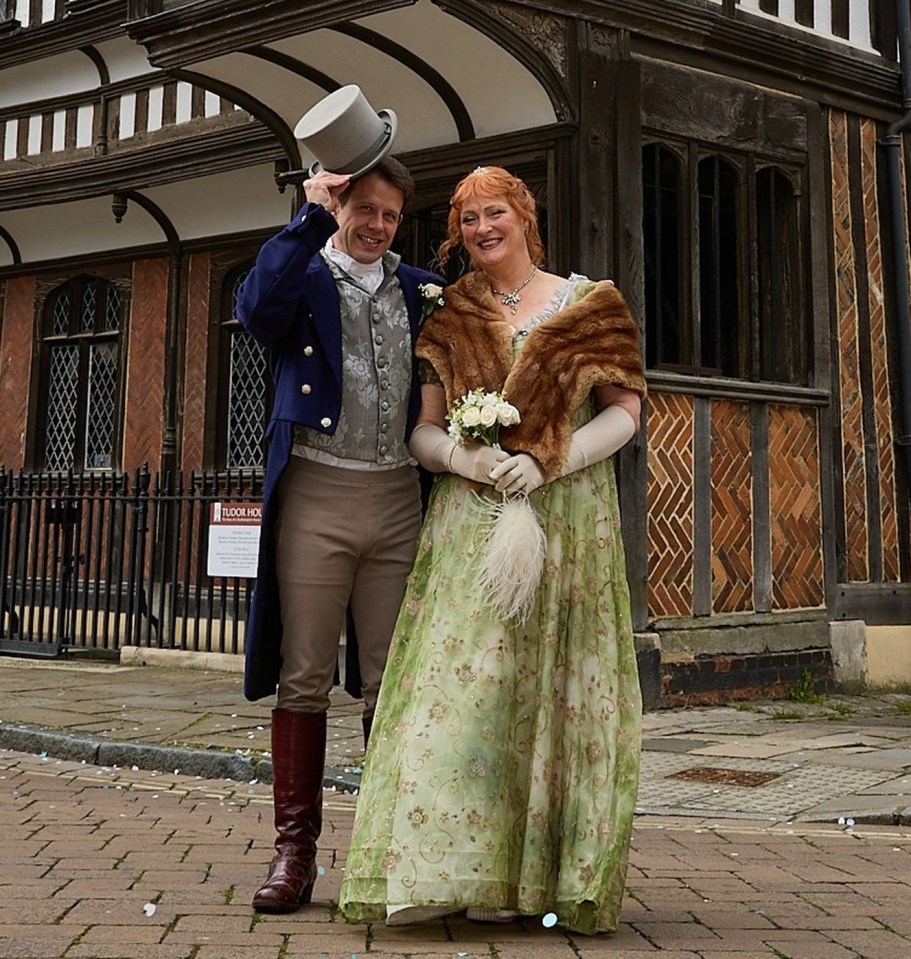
x,y
549,921
149,908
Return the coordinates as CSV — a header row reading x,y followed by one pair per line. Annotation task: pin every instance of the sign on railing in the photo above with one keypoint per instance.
x,y
234,539
100,561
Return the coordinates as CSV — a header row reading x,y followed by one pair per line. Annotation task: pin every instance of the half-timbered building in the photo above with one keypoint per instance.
x,y
738,168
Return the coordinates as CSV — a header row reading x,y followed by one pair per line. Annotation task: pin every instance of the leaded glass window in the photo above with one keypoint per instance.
x,y
247,393
784,338
662,192
102,406
719,267
62,407
724,261
81,372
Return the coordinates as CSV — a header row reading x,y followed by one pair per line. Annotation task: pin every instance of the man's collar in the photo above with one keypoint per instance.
x,y
388,262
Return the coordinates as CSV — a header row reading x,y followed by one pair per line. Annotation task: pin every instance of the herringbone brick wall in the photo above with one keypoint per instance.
x,y
793,524
732,508
854,467
861,326
143,429
795,508
882,406
670,504
195,368
15,368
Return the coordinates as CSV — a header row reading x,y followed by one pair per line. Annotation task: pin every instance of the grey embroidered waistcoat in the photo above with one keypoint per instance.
x,y
376,378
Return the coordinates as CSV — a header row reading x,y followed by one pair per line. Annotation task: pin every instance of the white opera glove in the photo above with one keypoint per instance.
x,y
476,462
521,473
432,447
599,438
435,450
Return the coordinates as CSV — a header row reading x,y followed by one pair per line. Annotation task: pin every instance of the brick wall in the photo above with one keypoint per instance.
x,y
144,426
16,369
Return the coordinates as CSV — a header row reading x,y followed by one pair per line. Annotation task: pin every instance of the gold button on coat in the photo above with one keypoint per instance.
x,y
325,421
308,351
306,388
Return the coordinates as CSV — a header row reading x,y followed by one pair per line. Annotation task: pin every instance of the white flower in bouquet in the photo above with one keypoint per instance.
x,y
507,414
488,415
471,417
478,416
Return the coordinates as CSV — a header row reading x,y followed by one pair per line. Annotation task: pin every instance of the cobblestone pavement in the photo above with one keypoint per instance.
x,y
136,822
104,863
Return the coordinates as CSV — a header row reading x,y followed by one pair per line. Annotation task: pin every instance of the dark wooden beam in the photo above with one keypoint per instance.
x,y
745,46
283,134
293,65
877,604
186,33
168,162
443,88
87,21
509,37
10,241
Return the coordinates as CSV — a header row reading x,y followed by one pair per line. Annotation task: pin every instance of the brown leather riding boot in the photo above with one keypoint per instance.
x,y
298,757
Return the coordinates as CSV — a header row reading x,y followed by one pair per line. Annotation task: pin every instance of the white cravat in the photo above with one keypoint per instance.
x,y
368,275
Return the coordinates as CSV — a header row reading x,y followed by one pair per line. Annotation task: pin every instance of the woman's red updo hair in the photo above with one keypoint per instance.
x,y
491,182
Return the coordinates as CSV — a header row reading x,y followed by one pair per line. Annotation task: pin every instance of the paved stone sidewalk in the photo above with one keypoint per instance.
x,y
841,757
102,863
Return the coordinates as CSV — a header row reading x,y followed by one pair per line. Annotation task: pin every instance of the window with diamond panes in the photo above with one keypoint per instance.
x,y
81,375
248,393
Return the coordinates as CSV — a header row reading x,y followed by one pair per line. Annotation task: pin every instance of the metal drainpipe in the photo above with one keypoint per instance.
x,y
892,145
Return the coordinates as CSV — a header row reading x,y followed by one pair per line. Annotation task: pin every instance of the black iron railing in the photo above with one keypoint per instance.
x,y
100,561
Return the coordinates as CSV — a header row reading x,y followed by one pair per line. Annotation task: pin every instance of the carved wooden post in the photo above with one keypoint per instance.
x,y
608,238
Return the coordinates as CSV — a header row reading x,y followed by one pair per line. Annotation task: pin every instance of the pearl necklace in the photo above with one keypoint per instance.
x,y
512,299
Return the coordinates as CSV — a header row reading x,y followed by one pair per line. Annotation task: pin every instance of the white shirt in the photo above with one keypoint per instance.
x,y
368,275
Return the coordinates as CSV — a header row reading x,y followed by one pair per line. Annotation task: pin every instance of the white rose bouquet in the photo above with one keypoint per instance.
x,y
513,557
478,416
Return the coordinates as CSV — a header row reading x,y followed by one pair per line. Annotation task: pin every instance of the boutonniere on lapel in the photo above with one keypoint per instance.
x,y
433,297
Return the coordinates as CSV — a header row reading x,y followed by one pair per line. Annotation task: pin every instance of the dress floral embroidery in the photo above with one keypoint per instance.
x,y
504,759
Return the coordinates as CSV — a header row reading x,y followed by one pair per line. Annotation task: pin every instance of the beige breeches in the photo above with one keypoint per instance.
x,y
342,536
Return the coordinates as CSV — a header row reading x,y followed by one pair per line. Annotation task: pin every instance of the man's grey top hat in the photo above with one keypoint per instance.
x,y
345,134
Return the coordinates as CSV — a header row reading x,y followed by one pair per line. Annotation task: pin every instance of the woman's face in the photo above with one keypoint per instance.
x,y
492,231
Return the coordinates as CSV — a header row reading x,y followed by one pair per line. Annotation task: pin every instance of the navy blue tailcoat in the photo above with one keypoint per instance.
x,y
290,304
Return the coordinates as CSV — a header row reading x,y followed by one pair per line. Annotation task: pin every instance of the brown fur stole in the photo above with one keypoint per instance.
x,y
592,342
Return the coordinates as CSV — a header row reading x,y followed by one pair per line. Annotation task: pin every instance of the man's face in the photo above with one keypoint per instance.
x,y
368,219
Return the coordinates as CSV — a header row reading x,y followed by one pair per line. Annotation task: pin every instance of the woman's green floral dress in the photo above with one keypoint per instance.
x,y
504,759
